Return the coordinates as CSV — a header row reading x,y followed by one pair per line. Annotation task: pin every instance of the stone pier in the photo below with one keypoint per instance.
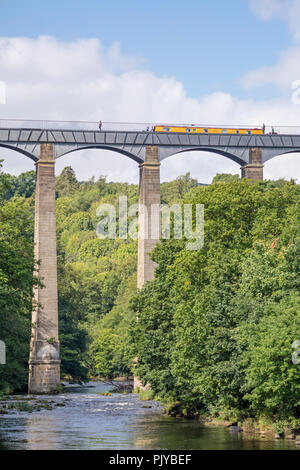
x,y
149,222
149,215
44,361
254,170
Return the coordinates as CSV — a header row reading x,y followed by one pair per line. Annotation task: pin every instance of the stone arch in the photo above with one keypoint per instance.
x,y
130,155
221,152
283,164
19,150
277,153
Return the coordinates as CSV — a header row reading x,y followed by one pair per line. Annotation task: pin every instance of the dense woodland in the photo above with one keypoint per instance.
x,y
215,327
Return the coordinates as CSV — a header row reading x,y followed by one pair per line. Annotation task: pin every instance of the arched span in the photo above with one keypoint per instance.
x,y
286,152
106,147
17,149
212,150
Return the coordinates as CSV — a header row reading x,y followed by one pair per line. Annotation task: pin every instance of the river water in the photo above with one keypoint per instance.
x,y
90,420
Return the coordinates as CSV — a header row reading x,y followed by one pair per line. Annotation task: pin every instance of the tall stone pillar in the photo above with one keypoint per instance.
x,y
149,214
149,222
44,360
254,170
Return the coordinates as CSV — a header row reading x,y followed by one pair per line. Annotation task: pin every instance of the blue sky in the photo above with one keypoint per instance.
x,y
207,46
217,62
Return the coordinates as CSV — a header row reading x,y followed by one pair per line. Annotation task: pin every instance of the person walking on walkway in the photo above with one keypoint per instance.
x,y
100,125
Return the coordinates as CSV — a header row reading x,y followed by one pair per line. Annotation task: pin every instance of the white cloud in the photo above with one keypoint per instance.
x,y
286,10
81,80
287,69
268,9
283,74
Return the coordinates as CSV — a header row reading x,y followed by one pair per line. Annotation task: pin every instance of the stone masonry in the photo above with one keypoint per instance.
x,y
44,361
149,216
149,222
255,169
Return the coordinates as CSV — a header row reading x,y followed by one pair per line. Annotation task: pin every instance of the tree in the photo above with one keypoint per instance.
x,y
272,381
225,178
66,182
96,278
16,284
22,185
174,191
204,323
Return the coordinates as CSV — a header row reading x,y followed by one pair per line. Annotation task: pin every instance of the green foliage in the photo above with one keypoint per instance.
x,y
173,191
225,178
66,182
216,326
146,395
96,279
272,381
16,283
20,186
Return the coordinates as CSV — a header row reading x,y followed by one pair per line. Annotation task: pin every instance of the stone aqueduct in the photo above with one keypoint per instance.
x,y
148,149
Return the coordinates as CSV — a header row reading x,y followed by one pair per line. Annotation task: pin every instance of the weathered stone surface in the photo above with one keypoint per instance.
x,y
255,169
44,377
149,219
44,363
149,223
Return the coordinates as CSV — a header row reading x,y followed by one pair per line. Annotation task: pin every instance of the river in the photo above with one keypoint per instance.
x,y
89,420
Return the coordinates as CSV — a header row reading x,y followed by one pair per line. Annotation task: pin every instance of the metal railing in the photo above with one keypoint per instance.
x,y
131,126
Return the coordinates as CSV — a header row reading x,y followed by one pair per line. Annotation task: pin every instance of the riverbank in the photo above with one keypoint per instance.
x,y
263,428
15,404
21,403
250,427
256,428
94,417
